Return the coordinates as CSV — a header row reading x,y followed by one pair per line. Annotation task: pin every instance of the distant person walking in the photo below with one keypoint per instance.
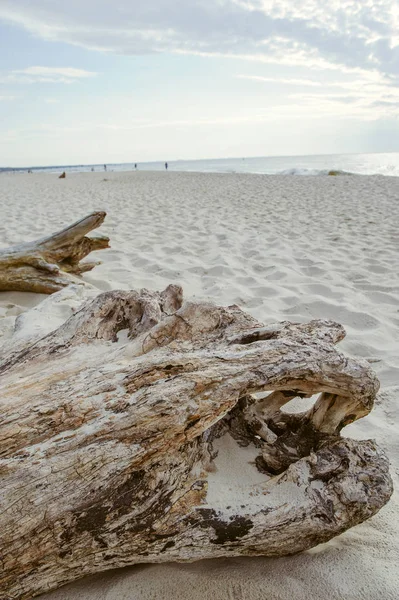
x,y
105,167
166,166
135,165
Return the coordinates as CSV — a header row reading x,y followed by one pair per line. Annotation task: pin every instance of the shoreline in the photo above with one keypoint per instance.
x,y
383,163
306,176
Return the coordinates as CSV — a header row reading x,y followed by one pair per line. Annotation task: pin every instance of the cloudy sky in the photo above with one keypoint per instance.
x,y
93,81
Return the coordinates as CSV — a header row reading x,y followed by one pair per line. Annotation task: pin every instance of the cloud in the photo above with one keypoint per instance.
x,y
347,34
5,98
68,72
46,75
368,92
296,107
300,82
352,105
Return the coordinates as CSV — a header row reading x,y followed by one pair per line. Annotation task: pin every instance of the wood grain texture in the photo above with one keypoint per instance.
x,y
49,264
110,426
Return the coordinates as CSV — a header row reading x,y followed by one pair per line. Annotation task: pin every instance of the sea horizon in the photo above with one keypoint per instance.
x,y
376,163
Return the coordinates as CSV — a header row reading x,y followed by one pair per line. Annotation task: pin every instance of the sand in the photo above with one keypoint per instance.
x,y
282,247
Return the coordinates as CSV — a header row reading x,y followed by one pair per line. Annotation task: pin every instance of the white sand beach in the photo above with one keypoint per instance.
x,y
282,248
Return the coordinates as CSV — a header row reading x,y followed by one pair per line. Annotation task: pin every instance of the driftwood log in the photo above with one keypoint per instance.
x,y
47,265
140,431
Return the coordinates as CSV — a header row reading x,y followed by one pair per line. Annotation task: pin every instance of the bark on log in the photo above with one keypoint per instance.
x,y
126,432
47,265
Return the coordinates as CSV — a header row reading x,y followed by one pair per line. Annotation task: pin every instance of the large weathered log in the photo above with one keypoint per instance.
x,y
47,265
134,433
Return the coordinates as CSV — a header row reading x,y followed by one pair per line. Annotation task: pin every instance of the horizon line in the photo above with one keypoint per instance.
x,y
179,160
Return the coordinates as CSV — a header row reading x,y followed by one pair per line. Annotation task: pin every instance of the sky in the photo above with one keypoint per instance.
x,y
101,81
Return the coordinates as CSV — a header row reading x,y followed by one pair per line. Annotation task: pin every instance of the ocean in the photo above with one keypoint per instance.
x,y
359,164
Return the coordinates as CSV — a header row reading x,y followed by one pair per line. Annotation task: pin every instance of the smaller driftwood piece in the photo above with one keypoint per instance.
x,y
49,264
146,430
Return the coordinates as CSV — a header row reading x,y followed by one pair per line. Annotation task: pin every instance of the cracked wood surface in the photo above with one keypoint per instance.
x,y
110,424
49,264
